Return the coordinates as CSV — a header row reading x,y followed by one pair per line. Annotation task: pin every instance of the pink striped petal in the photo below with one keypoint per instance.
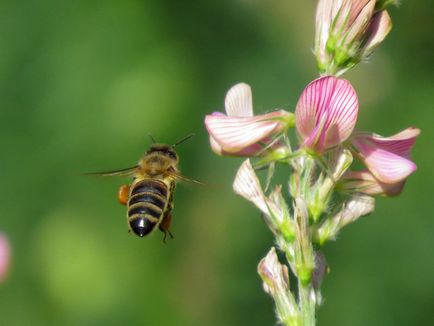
x,y
241,136
400,143
360,16
4,257
387,157
379,27
238,101
364,181
326,113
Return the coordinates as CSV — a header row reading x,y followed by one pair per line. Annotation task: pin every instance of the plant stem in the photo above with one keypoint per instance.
x,y
307,304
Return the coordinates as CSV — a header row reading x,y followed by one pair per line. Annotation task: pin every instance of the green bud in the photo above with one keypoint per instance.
x,y
331,45
305,275
289,120
287,230
316,208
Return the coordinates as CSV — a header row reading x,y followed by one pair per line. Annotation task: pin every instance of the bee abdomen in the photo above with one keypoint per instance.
x,y
150,186
146,205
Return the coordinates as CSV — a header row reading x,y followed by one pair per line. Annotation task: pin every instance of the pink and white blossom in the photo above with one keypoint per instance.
x,y
387,158
364,181
347,31
240,133
326,113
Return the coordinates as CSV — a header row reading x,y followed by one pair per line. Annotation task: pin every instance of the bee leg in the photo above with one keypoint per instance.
x,y
165,225
123,194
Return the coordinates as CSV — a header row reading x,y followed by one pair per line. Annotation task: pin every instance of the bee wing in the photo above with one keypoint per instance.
x,y
123,172
178,176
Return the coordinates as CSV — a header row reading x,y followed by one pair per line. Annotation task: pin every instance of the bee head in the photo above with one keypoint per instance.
x,y
164,150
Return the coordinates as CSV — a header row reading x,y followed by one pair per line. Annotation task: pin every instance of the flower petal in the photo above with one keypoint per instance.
x,y
358,206
364,181
326,112
359,18
388,157
241,135
400,143
384,165
380,26
238,101
246,184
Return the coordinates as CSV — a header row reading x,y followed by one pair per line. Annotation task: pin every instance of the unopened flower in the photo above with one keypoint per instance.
x,y
344,28
380,26
275,279
387,158
319,196
240,133
4,257
274,209
274,275
364,181
304,253
326,113
357,206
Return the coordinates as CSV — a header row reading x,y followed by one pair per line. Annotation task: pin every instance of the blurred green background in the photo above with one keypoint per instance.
x,y
82,84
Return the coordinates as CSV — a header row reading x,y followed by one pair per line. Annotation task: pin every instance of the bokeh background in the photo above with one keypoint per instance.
x,y
82,84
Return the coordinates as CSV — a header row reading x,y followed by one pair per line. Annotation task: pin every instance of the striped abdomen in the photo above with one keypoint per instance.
x,y
146,205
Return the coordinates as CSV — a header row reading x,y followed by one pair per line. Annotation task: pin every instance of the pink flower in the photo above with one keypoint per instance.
x,y
240,133
364,181
347,31
387,158
4,257
326,113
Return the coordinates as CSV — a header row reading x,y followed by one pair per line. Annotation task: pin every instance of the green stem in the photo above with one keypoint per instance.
x,y
307,304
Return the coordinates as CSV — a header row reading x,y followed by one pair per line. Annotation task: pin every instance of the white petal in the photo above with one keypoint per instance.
x,y
247,185
238,101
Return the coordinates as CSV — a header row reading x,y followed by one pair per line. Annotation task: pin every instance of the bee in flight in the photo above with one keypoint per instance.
x,y
149,198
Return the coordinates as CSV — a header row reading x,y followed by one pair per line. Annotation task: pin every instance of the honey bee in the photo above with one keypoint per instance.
x,y
149,197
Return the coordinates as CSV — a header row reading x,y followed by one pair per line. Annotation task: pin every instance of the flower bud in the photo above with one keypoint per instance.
x,y
304,255
357,206
342,29
275,211
323,190
276,283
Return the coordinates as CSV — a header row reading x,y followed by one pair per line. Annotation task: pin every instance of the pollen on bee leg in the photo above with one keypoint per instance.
x,y
165,225
123,193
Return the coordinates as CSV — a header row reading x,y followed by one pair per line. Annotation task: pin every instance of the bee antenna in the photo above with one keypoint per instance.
x,y
183,139
152,139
